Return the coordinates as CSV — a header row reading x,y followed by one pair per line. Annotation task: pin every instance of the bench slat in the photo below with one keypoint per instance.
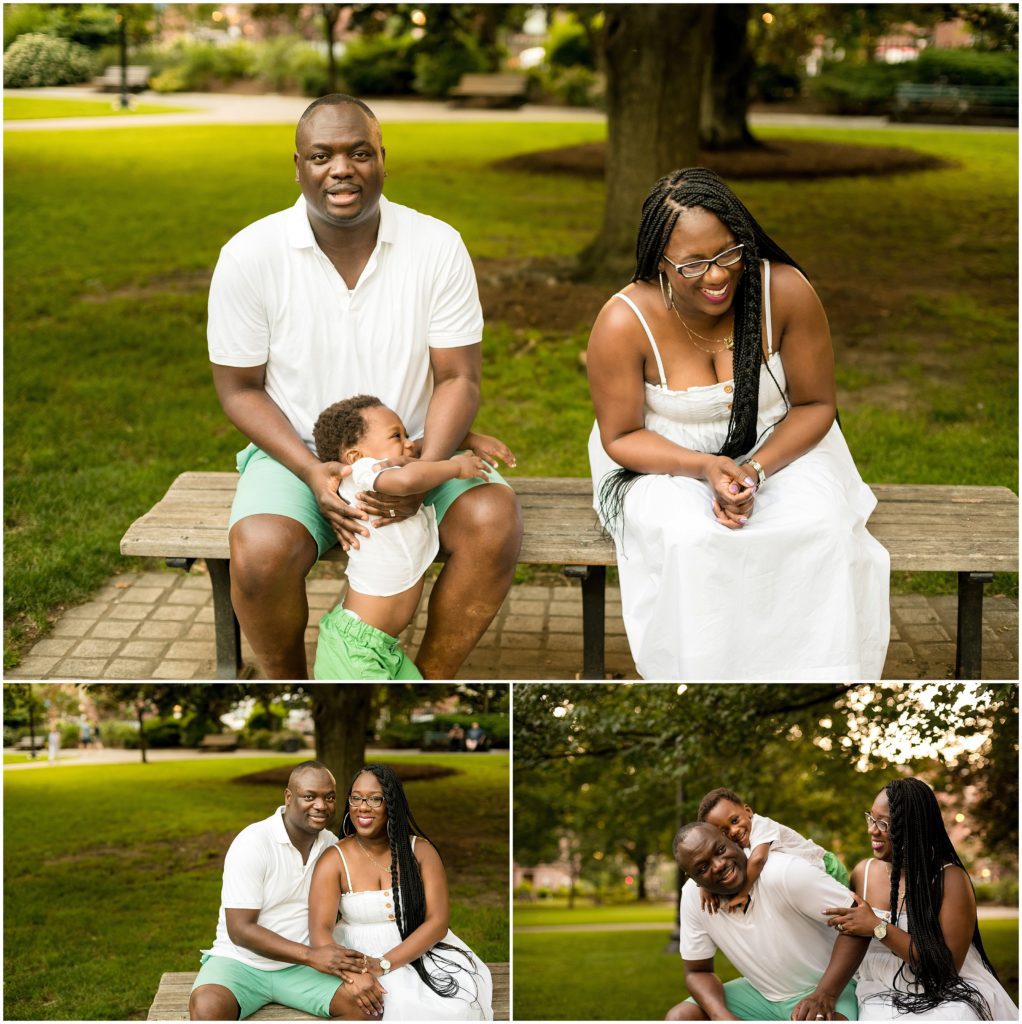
x,y
925,527
171,1001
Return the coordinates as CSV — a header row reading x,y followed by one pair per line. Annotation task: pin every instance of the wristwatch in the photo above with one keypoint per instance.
x,y
760,472
880,931
385,964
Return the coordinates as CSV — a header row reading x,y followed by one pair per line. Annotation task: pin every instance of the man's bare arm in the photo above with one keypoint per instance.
x,y
707,989
457,373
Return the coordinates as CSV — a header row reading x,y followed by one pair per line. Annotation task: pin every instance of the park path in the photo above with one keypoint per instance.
x,y
984,914
271,108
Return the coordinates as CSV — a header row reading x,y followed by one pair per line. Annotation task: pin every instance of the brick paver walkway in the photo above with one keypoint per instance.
x,y
159,625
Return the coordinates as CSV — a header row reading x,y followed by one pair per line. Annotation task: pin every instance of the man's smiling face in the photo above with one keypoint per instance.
x,y
716,863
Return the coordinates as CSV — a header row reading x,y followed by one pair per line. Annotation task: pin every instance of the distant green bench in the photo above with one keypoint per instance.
x,y
171,1002
222,741
956,104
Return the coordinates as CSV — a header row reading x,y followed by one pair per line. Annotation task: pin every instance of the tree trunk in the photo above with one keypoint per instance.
x,y
140,711
341,713
640,876
331,12
653,55
727,81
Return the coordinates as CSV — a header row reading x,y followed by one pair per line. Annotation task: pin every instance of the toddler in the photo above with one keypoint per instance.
x,y
359,638
758,835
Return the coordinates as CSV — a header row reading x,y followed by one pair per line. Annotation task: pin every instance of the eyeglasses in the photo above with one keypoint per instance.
x,y
375,801
728,258
877,823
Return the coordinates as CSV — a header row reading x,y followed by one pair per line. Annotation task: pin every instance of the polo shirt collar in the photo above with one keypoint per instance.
x,y
299,230
279,831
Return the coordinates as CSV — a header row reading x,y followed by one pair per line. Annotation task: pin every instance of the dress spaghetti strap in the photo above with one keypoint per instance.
x,y
769,324
347,873
649,334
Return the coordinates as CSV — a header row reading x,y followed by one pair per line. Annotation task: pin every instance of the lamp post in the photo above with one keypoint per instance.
x,y
122,39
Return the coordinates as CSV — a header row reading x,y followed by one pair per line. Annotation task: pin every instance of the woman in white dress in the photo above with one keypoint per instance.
x,y
926,961
738,514
387,881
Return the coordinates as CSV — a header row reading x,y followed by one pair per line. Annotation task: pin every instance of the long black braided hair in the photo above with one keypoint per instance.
x,y
920,848
667,200
406,883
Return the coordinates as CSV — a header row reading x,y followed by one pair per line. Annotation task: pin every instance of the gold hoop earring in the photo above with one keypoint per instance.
x,y
666,293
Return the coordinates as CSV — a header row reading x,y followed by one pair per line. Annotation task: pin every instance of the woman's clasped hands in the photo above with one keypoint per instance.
x,y
734,491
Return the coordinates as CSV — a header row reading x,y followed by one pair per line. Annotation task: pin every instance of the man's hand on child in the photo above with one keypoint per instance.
x,y
323,480
469,466
388,508
490,449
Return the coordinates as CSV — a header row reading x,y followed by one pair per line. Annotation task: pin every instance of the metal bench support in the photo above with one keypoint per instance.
x,y
594,586
969,652
228,632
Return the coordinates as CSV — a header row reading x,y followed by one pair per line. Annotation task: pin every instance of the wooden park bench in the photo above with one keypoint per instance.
x,y
137,76
490,91
171,1002
222,741
30,743
926,528
956,104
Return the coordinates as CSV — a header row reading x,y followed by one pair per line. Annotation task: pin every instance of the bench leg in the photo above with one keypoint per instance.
x,y
969,654
228,632
594,585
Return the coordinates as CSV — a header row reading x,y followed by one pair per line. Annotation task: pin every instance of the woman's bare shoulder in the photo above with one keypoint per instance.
x,y
616,324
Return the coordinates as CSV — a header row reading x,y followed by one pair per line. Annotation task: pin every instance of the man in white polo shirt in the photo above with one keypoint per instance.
x,y
261,953
347,293
793,966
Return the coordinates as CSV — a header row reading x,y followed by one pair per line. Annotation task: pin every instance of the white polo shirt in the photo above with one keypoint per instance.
x,y
782,943
394,557
276,298
783,840
263,871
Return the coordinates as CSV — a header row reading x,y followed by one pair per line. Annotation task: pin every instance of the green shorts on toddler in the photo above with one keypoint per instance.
x,y
349,648
746,1002
835,868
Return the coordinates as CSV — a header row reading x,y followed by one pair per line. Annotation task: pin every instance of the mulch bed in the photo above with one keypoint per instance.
x,y
780,158
405,772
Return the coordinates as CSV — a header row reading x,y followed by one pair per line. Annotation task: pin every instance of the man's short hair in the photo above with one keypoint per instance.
x,y
714,797
683,832
336,99
306,766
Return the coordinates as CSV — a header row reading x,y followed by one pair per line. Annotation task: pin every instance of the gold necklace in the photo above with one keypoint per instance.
x,y
370,856
728,342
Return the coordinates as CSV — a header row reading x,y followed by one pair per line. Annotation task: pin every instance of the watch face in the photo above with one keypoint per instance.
x,y
384,963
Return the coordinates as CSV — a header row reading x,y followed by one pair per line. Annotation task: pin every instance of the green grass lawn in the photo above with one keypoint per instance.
x,y
26,108
107,390
528,914
21,758
632,976
112,873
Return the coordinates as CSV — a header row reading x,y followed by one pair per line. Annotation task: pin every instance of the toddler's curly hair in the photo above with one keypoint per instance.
x,y
341,425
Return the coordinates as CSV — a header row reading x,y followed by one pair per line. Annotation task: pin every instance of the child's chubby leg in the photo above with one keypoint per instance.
x,y
388,614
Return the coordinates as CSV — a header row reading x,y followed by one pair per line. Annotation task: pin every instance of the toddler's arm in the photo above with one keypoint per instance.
x,y
416,477
709,902
757,859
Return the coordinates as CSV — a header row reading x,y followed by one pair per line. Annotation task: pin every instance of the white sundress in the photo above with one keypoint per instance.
x,y
368,923
801,592
877,977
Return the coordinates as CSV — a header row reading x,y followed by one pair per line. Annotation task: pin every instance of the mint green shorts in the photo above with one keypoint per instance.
x,y
268,488
835,868
349,648
748,1003
297,986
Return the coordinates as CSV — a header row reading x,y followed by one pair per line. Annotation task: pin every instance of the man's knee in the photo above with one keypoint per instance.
x,y
686,1011
485,519
344,1007
213,1002
269,552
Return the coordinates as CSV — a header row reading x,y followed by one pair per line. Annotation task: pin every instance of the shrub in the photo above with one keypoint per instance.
x,y
163,732
34,60
568,46
20,19
569,87
288,741
257,739
378,67
438,71
289,64
412,734
202,67
857,88
964,67
120,734
171,80
69,733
